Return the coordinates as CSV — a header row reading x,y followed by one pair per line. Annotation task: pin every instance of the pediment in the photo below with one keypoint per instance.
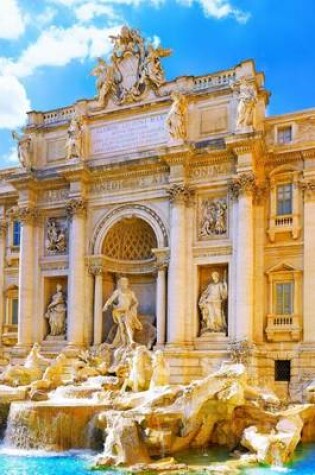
x,y
282,267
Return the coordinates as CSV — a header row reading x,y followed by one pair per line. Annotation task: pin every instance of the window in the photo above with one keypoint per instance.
x,y
16,233
15,309
283,370
284,298
284,199
284,134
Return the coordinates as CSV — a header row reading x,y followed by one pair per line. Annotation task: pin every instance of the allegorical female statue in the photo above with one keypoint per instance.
x,y
125,307
56,313
211,304
246,103
176,118
74,141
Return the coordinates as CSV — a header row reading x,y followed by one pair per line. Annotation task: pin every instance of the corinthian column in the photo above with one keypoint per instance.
x,y
242,189
179,197
3,233
161,266
76,284
97,271
27,216
308,187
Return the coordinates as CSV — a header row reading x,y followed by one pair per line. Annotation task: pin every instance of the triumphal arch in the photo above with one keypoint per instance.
x,y
181,198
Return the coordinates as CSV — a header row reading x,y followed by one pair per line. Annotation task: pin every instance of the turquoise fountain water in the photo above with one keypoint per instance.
x,y
76,463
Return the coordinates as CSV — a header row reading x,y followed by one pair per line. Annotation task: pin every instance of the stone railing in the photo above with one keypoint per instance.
x,y
284,221
214,80
58,115
283,327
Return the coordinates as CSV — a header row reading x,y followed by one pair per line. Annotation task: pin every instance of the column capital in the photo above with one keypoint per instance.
x,y
308,188
162,255
3,227
96,269
76,206
27,214
180,194
242,184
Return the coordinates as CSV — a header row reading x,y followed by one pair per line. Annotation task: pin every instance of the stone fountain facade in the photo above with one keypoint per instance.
x,y
186,188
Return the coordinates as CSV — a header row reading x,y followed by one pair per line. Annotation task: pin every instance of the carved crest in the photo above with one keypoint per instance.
x,y
134,68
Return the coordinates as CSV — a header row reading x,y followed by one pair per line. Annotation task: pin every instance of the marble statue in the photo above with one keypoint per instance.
x,y
105,79
74,141
246,103
133,69
176,118
211,304
125,305
56,313
56,239
214,218
161,370
24,149
152,65
140,370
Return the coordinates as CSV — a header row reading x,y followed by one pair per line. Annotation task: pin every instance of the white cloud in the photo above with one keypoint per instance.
x,y
14,102
12,156
58,46
218,9
12,21
89,10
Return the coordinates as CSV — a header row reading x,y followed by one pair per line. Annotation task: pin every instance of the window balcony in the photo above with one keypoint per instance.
x,y
283,328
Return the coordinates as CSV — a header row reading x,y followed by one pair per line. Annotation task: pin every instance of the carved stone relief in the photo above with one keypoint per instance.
x,y
56,236
213,217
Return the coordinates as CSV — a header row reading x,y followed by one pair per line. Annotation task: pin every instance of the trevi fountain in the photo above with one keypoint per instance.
x,y
157,278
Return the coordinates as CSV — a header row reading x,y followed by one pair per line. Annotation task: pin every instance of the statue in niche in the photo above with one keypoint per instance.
x,y
211,304
24,149
74,141
56,239
214,218
246,103
125,306
176,118
56,313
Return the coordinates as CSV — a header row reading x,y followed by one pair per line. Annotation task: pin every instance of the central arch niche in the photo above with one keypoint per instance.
x,y
127,249
131,239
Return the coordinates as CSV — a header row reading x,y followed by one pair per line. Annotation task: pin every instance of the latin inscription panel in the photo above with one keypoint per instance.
x,y
131,135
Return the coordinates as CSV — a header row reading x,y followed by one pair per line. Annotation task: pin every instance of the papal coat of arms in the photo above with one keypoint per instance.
x,y
133,69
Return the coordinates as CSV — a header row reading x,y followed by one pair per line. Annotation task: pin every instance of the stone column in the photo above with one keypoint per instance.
x,y
309,260
76,209
161,266
27,216
242,189
179,197
98,304
3,233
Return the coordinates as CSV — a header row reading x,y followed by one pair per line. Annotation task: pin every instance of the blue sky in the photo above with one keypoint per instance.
x,y
48,47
